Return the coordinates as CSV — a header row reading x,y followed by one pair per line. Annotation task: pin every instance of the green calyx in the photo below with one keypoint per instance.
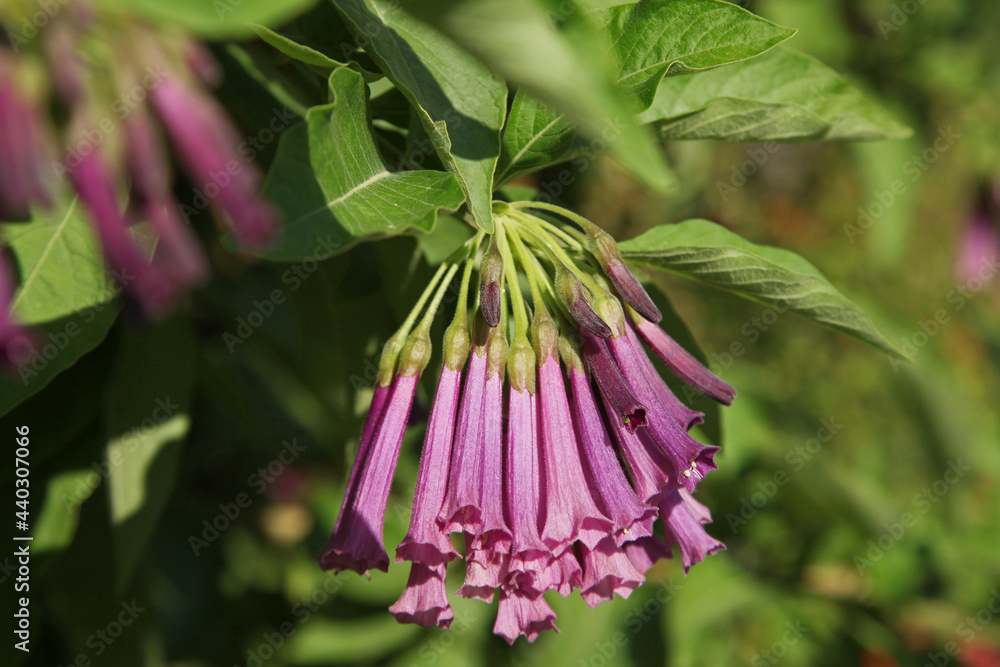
x,y
521,365
416,353
390,355
570,353
457,343
544,336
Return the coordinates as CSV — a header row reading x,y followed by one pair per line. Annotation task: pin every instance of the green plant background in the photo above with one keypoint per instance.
x,y
800,583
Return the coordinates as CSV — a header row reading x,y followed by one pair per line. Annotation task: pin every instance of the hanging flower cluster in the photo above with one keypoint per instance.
x,y
537,492
118,87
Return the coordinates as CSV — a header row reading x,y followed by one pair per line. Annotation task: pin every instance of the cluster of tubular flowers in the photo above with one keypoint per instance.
x,y
553,445
120,88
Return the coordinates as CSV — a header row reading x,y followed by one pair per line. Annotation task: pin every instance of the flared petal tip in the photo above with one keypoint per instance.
x,y
439,552
436,616
519,615
340,561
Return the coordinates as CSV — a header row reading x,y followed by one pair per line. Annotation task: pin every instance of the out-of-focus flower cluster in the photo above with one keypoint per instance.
x,y
95,103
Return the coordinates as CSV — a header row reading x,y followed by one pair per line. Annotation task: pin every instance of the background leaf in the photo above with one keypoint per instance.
x,y
147,420
213,19
460,103
654,38
567,70
334,190
782,95
711,254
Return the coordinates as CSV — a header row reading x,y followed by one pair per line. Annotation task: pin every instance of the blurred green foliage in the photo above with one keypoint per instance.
x,y
852,538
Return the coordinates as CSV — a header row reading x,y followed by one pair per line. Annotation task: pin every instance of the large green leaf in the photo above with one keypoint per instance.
x,y
566,69
783,95
147,419
460,103
64,294
216,19
334,190
62,270
709,253
652,39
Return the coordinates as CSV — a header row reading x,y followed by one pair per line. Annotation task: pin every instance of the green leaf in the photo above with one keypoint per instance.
x,y
566,69
329,181
147,420
62,269
709,253
782,95
657,38
214,19
65,294
293,49
651,39
449,235
460,103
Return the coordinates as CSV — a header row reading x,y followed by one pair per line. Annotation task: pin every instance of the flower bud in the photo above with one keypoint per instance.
x,y
490,280
606,250
573,294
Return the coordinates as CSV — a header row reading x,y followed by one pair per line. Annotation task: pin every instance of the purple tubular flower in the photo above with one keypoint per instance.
x,y
460,510
16,346
425,599
209,147
356,542
607,570
529,554
425,542
154,290
652,472
683,365
623,402
683,521
570,512
519,615
632,519
22,182
682,414
488,553
177,253
690,459
645,552
573,294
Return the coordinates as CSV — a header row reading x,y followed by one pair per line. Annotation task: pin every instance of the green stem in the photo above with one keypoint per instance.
x,y
557,255
510,272
425,323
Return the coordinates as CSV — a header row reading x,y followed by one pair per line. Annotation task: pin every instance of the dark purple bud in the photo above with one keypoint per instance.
x,y
631,413
208,146
610,257
202,64
490,279
574,295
